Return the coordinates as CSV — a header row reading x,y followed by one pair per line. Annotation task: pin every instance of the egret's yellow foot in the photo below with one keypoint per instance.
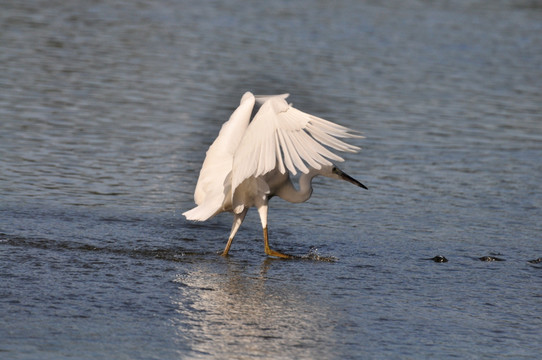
x,y
268,250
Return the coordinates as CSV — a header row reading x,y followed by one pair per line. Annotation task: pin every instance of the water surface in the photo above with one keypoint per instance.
x,y
107,109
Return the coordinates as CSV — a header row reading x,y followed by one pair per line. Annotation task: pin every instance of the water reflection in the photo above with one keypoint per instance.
x,y
233,312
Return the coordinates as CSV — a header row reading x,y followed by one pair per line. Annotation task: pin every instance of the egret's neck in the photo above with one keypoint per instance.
x,y
289,192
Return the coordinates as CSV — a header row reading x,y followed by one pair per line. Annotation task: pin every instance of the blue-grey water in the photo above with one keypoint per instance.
x,y
107,109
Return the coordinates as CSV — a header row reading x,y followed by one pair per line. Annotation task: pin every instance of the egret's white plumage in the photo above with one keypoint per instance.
x,y
249,162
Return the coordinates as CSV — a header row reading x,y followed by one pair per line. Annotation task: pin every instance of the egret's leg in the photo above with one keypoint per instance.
x,y
237,220
262,210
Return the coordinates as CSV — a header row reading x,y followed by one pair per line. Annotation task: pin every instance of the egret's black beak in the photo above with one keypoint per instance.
x,y
348,178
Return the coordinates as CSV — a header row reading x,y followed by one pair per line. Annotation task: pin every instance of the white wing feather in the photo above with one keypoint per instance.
x,y
261,99
213,181
281,136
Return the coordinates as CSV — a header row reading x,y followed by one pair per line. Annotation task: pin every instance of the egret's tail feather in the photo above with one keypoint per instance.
x,y
201,213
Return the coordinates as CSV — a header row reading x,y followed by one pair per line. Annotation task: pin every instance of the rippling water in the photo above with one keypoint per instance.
x,y
107,109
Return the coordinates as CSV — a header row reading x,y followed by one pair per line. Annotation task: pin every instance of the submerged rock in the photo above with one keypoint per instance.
x,y
490,258
439,259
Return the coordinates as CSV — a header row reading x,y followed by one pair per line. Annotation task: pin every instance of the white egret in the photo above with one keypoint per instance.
x,y
250,162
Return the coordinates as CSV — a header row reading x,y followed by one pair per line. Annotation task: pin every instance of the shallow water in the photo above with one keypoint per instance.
x,y
107,109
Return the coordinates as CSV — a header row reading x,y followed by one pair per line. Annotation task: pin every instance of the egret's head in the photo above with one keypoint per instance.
x,y
336,173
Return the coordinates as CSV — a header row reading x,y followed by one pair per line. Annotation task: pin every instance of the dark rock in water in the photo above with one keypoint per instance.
x,y
535,261
490,258
439,259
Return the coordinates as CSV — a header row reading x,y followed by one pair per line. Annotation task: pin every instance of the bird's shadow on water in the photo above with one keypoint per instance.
x,y
180,254
184,254
174,253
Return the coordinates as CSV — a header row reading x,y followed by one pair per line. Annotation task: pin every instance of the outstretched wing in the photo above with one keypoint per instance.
x,y
283,137
213,178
